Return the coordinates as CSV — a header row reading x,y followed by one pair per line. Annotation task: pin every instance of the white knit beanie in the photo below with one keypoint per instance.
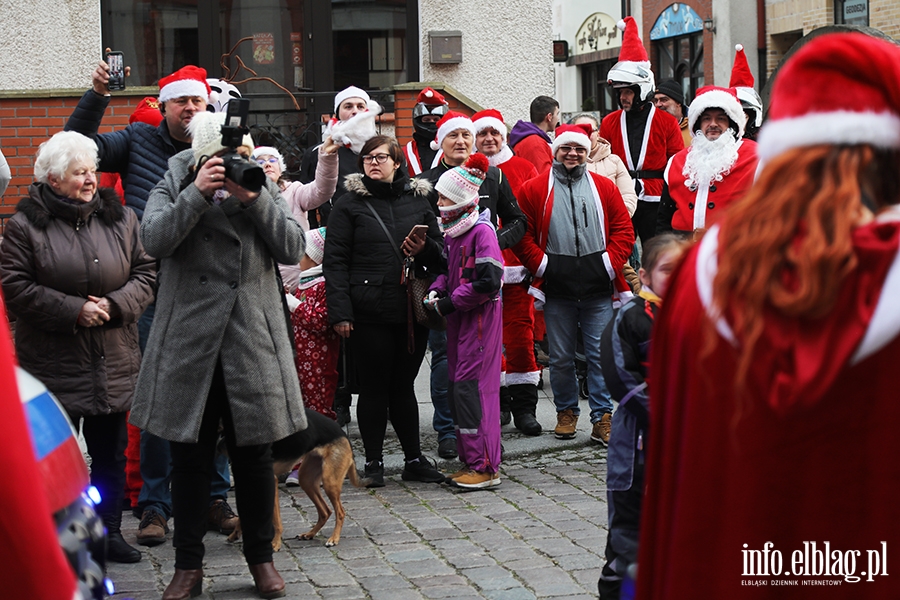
x,y
206,134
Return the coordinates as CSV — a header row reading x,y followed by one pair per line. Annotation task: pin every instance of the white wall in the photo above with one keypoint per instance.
x,y
48,44
507,51
735,24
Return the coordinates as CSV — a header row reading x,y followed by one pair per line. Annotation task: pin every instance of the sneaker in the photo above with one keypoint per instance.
x,y
475,480
375,474
221,518
293,479
601,430
505,418
447,448
566,420
421,469
152,530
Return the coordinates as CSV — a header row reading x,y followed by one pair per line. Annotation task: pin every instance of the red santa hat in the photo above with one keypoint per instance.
x,y
579,135
711,96
186,81
451,122
489,119
632,49
430,97
741,76
147,111
867,111
633,68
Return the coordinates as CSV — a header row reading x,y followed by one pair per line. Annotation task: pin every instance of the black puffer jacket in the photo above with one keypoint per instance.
x,y
362,271
54,254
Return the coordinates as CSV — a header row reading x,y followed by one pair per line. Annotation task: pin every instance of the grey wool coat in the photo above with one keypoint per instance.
x,y
218,299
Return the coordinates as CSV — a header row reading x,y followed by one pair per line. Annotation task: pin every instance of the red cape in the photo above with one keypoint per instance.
x,y
811,458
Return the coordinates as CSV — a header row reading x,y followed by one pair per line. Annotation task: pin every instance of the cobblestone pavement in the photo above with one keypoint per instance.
x,y
540,534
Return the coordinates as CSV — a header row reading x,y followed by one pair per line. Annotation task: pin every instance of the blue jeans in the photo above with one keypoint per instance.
x,y
441,421
156,459
562,318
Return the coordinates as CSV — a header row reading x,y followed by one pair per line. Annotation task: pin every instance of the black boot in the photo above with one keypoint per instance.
x,y
117,549
342,400
524,399
505,401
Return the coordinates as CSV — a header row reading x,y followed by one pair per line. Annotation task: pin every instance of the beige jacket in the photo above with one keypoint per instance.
x,y
603,162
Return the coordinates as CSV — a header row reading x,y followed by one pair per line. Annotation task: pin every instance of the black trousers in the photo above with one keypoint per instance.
x,y
106,437
644,220
624,532
254,479
387,373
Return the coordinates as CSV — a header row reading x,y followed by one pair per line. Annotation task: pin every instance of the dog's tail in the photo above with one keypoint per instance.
x,y
353,475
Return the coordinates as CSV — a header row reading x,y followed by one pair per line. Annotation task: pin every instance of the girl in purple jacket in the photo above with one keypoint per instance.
x,y
469,297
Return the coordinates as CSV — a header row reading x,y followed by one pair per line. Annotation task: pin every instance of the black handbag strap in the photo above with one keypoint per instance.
x,y
386,232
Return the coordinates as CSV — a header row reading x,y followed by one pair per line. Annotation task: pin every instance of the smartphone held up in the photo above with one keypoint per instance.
x,y
116,62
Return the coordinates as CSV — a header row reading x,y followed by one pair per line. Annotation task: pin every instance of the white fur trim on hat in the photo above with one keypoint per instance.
x,y
490,123
183,88
270,151
452,125
571,137
350,92
206,135
881,130
717,99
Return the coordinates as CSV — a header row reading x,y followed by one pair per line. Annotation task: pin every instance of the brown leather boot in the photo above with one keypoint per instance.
x,y
269,583
187,583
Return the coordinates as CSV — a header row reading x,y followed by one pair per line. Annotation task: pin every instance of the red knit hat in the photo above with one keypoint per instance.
x,y
489,118
451,122
430,97
867,110
147,111
711,96
741,76
632,48
186,81
580,135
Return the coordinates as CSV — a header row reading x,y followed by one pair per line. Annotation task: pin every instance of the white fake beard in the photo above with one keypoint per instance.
x,y
709,161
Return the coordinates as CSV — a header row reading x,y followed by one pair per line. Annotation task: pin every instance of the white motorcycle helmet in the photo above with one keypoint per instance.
x,y
751,100
628,73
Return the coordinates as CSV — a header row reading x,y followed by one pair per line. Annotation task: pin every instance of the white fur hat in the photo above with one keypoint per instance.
x,y
350,92
270,151
206,134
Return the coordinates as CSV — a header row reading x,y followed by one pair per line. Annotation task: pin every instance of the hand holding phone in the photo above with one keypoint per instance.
x,y
415,240
116,63
418,232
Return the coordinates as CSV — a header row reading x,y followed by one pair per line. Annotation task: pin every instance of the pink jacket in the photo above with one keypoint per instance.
x,y
603,162
303,197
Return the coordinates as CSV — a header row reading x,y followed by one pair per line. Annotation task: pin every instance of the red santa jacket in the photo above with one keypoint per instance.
x,y
618,233
731,477
535,150
517,171
702,207
411,154
662,140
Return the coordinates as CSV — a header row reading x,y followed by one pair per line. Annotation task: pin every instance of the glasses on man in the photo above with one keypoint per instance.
x,y
380,159
576,149
271,160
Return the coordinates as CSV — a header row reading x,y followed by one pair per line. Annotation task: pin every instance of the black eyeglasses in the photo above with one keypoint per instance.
x,y
380,159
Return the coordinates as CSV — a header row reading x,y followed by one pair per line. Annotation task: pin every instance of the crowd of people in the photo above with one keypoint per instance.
x,y
726,294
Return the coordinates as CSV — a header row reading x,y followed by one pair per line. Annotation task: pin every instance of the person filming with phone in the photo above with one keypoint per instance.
x,y
371,230
220,348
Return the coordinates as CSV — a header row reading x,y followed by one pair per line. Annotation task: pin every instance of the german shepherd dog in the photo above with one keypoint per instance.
x,y
325,456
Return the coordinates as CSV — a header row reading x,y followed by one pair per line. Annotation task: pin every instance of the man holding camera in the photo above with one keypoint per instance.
x,y
140,153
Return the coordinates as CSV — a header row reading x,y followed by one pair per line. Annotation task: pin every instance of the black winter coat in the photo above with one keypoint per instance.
x,y
54,254
362,271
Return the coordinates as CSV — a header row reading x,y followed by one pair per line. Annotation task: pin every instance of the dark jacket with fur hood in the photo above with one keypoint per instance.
x,y
362,270
53,256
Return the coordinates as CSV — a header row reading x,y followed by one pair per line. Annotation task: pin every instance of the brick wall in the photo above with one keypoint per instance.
x,y
27,122
651,11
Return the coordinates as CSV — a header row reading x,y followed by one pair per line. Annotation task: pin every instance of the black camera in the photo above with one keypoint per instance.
x,y
238,169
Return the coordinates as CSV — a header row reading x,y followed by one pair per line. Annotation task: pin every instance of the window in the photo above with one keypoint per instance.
x,y
596,95
681,58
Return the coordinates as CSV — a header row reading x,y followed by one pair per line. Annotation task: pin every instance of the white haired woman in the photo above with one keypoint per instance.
x,y
77,279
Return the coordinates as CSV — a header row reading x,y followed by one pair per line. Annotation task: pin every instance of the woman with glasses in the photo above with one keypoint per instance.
x,y
369,236
301,197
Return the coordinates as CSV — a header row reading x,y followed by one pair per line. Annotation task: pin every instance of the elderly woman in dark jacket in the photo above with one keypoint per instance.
x,y
219,348
77,279
367,301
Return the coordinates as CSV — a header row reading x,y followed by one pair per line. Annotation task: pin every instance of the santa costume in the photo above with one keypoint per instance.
x,y
418,152
692,202
799,459
521,374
